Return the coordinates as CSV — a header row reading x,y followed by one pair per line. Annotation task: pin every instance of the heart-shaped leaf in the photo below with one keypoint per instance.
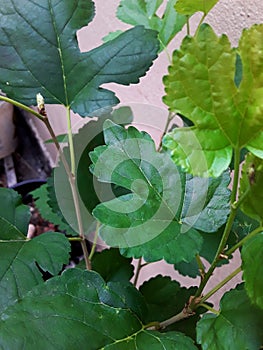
x,y
144,12
189,7
252,257
68,305
40,54
201,86
251,186
238,325
19,259
157,218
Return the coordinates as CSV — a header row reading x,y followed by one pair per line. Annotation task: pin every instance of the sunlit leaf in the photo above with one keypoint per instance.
x,y
189,7
144,12
201,86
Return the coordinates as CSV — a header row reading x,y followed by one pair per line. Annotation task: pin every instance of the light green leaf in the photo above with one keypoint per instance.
x,y
157,219
68,305
252,257
189,7
201,86
251,185
144,12
112,35
74,78
14,215
237,327
18,269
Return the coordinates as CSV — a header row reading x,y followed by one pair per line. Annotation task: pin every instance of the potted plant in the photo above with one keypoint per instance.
x,y
173,203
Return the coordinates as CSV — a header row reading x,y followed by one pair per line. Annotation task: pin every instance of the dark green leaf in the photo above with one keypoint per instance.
x,y
112,266
189,7
201,86
144,12
46,203
251,185
18,270
60,138
252,257
14,216
36,39
237,327
65,308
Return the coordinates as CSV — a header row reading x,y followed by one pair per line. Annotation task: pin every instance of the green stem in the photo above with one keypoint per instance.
x,y
200,23
188,26
71,144
22,106
220,285
240,243
209,308
95,240
227,230
74,239
169,119
200,265
180,316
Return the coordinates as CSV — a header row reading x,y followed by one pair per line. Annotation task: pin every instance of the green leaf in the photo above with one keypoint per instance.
x,y
251,186
144,12
45,200
112,266
14,215
112,35
238,326
18,270
201,86
157,218
60,138
69,304
252,257
74,78
189,7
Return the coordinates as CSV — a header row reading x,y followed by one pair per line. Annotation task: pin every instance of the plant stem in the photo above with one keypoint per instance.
x,y
74,239
209,308
227,227
182,315
94,245
201,21
22,106
240,243
220,285
169,118
188,26
71,144
137,273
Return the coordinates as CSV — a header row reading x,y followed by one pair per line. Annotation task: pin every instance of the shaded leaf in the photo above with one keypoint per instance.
x,y
251,184
45,200
144,12
14,215
74,78
201,86
18,270
252,257
189,7
69,304
112,266
238,326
